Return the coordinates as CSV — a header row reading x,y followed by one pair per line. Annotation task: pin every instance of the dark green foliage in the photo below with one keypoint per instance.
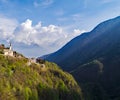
x,y
102,80
18,81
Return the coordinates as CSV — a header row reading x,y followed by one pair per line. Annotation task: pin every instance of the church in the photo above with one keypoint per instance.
x,y
8,51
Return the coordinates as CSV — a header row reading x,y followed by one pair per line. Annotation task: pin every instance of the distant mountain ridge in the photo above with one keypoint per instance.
x,y
93,58
85,47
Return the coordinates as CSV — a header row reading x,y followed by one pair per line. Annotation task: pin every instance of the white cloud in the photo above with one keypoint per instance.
x,y
78,32
51,36
37,34
45,39
7,27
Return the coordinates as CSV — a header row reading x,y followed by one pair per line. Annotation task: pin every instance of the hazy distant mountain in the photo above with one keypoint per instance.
x,y
88,46
94,60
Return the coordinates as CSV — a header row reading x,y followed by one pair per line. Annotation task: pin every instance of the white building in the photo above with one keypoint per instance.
x,y
9,51
32,60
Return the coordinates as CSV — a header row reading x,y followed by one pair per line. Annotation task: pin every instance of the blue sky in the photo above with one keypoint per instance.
x,y
38,27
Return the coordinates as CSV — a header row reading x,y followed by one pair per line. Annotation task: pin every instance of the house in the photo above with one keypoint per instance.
x,y
32,60
36,61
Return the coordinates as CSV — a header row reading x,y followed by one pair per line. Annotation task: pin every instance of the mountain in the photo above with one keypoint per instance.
x,y
21,80
88,46
93,58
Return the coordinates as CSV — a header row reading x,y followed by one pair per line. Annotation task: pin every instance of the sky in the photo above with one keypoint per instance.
x,y
40,27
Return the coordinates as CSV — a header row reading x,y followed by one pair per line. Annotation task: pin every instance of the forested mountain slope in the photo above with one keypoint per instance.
x,y
20,81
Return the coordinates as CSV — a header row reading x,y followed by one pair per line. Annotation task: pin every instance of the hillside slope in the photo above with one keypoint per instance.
x,y
18,81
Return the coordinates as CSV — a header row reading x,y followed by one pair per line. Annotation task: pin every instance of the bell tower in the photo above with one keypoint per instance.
x,y
10,47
